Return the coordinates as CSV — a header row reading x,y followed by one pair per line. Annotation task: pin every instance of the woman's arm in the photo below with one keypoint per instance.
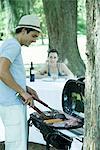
x,y
66,70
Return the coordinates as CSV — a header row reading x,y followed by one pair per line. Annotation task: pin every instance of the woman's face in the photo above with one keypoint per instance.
x,y
53,58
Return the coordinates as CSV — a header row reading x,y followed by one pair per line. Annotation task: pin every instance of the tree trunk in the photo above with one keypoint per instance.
x,y
18,9
61,17
7,14
92,103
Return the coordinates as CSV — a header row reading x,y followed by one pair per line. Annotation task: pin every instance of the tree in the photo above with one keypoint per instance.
x,y
37,7
61,17
18,8
92,102
11,12
2,18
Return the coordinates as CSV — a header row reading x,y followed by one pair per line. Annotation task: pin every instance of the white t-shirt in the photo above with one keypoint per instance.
x,y
11,49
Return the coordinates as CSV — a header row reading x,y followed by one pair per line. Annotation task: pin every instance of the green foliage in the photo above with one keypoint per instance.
x,y
38,9
81,17
2,18
18,8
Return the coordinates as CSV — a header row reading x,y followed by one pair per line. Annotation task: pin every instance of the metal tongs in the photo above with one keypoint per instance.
x,y
39,111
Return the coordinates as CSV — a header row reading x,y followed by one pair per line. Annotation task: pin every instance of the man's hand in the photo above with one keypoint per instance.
x,y
27,98
32,92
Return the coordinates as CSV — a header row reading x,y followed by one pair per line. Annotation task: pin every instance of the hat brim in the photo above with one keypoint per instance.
x,y
35,28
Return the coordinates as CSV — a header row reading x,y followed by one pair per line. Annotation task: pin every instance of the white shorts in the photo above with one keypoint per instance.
x,y
15,122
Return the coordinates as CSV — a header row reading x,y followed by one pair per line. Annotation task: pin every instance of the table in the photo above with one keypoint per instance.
x,y
49,92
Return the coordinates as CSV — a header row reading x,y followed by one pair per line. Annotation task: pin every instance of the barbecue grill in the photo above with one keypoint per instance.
x,y
59,128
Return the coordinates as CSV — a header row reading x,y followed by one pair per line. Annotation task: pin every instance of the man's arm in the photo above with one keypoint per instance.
x,y
7,78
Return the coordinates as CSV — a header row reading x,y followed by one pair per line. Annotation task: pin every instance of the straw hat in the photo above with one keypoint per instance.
x,y
29,21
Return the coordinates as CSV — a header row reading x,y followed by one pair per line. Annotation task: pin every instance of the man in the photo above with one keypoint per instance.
x,y
13,80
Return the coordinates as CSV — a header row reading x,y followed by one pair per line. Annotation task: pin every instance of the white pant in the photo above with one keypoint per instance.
x,y
15,121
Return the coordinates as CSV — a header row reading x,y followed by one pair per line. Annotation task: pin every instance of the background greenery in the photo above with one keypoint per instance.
x,y
9,19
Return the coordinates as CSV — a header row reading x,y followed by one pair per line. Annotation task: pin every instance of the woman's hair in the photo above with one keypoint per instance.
x,y
53,51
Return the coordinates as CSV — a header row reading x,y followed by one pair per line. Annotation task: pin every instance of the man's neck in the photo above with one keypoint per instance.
x,y
19,39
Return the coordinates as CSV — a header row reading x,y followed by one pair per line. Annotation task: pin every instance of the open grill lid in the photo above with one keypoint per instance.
x,y
73,98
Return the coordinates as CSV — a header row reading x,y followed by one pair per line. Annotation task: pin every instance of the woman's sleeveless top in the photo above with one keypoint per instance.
x,y
59,73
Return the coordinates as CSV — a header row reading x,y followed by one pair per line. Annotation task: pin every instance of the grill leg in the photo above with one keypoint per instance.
x,y
28,122
47,146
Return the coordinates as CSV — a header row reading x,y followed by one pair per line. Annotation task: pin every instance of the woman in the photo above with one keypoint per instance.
x,y
53,67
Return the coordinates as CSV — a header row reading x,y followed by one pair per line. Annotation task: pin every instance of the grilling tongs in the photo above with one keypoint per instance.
x,y
37,109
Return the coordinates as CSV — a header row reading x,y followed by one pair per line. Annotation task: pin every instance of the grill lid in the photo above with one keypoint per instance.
x,y
73,98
